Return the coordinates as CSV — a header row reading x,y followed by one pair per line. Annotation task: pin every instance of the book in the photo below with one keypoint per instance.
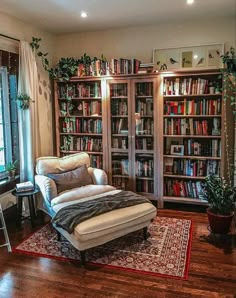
x,y
24,186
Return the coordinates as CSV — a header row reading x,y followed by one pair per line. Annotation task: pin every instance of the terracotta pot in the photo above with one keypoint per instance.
x,y
219,224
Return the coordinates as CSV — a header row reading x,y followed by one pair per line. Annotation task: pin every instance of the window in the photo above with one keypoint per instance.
x,y
9,143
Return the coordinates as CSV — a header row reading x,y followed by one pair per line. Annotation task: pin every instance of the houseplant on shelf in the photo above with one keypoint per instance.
x,y
221,197
11,169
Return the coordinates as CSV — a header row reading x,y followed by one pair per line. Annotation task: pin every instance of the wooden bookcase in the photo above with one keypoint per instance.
x,y
80,119
155,134
193,139
132,134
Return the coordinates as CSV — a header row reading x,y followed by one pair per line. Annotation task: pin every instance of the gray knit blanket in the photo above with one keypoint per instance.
x,y
70,216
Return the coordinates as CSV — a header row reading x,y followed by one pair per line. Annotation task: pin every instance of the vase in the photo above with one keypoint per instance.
x,y
219,224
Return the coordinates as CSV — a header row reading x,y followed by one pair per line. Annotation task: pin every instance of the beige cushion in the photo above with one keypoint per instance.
x,y
71,179
55,165
113,221
87,191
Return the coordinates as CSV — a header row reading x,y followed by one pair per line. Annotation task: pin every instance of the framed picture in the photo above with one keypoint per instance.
x,y
188,58
177,150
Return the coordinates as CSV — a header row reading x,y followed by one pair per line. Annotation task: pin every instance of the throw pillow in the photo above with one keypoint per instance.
x,y
68,180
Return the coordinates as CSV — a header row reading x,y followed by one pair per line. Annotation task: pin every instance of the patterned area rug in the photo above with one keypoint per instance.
x,y
166,252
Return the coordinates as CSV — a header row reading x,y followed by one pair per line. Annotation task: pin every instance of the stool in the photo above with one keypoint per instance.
x,y
4,228
30,195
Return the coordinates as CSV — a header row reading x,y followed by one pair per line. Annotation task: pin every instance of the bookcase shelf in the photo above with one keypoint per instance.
x,y
193,146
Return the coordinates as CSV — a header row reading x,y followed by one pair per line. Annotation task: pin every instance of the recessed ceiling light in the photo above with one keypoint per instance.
x,y
83,14
190,2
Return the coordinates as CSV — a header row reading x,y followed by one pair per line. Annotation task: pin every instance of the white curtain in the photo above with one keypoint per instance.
x,y
29,137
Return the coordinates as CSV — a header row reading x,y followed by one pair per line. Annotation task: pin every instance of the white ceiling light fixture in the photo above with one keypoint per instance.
x,y
83,14
189,2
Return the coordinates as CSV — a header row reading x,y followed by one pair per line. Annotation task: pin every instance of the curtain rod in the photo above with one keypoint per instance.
x,y
9,37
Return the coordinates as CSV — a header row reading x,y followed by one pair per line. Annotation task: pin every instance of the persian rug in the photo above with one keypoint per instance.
x,y
165,253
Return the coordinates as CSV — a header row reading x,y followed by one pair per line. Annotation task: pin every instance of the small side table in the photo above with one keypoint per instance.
x,y
19,197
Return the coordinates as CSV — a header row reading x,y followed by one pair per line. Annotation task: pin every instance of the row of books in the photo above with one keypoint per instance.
x,y
84,108
180,188
117,90
120,183
144,107
186,86
119,107
145,186
120,143
120,167
210,147
144,168
183,126
81,144
191,167
144,89
96,161
79,90
77,125
193,107
120,126
144,143
144,126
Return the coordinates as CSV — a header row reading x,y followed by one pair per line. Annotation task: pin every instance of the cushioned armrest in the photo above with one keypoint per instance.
x,y
47,187
99,176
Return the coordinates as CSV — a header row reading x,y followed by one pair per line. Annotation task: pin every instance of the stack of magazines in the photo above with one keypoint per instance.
x,y
24,186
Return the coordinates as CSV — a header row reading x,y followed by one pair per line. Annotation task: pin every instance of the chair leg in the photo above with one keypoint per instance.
x,y
83,257
145,233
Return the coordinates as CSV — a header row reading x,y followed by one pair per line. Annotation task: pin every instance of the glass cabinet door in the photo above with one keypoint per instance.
x,y
119,139
144,136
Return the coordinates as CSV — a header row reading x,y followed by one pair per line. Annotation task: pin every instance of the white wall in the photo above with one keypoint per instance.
x,y
13,27
138,42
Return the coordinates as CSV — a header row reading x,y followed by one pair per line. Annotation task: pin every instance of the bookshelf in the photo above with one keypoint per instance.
x,y
155,134
132,129
193,142
80,119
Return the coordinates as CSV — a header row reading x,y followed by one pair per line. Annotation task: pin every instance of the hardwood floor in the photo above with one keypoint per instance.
x,y
212,271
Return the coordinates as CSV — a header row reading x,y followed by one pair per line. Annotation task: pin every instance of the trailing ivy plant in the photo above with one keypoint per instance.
x,y
229,76
35,47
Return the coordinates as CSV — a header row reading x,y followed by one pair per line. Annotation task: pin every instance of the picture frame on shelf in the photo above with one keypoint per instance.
x,y
188,58
177,150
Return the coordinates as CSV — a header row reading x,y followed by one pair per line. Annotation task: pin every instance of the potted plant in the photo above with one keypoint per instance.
x,y
11,169
23,101
229,59
221,197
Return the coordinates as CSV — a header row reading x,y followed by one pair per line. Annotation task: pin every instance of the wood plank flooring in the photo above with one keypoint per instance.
x,y
212,270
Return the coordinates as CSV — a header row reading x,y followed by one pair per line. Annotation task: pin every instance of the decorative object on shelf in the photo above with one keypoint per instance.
x,y
221,197
24,101
188,58
11,169
177,150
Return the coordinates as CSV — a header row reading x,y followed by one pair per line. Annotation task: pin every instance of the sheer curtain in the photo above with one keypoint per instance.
x,y
29,137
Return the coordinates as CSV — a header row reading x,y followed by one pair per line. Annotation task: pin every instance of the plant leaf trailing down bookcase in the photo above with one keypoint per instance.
x,y
155,134
193,142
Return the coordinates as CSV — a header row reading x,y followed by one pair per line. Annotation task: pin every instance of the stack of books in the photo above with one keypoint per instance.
x,y
24,186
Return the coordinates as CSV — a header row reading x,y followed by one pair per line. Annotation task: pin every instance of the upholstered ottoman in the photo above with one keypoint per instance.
x,y
108,226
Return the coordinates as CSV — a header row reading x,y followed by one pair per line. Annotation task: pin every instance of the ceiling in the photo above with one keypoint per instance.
x,y
63,16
